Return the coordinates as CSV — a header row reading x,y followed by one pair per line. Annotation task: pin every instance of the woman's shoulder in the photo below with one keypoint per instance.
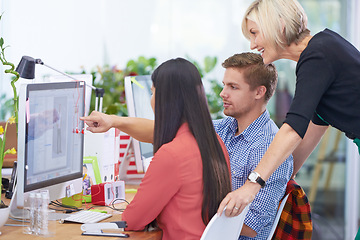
x,y
183,142
329,46
322,40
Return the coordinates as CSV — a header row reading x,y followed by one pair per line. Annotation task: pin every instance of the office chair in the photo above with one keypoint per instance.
x,y
294,215
277,217
223,227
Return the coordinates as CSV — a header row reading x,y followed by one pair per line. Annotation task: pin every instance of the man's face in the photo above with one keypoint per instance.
x,y
238,98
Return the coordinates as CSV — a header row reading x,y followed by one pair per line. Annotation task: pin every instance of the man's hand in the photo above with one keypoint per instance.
x,y
237,200
98,122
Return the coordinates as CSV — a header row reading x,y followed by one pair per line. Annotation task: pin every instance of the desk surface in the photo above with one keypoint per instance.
x,y
72,231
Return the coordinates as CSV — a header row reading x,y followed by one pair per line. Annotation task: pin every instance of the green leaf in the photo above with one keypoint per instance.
x,y
112,109
1,42
142,59
210,63
123,110
1,151
152,62
130,63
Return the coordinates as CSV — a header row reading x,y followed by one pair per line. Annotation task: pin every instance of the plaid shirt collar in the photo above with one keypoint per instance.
x,y
253,129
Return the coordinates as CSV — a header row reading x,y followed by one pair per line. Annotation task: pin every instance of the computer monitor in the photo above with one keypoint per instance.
x,y
50,140
87,78
138,95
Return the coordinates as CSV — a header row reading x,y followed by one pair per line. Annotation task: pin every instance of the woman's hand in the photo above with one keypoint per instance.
x,y
237,200
98,122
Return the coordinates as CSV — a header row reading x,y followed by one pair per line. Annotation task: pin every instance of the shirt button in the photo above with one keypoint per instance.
x,y
233,172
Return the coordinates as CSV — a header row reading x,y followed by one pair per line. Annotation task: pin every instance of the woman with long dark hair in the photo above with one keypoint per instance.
x,y
189,174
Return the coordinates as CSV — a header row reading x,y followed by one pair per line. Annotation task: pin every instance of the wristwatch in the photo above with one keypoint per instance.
x,y
254,177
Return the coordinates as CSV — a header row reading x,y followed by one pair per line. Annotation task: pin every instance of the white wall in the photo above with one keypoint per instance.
x,y
68,35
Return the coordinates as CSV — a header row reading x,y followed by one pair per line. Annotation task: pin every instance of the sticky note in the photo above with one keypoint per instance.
x,y
136,82
130,190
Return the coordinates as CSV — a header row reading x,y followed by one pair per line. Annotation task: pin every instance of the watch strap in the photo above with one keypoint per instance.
x,y
258,179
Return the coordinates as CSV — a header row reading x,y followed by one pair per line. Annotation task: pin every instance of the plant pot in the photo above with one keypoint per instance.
x,y
4,215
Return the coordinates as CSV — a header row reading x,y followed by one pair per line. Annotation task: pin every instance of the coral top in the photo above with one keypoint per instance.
x,y
171,190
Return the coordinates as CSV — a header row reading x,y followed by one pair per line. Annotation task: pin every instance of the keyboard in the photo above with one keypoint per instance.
x,y
86,216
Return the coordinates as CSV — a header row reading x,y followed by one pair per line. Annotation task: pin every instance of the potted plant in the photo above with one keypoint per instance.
x,y
4,210
111,79
213,95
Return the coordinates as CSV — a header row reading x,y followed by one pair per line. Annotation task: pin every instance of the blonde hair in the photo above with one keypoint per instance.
x,y
281,22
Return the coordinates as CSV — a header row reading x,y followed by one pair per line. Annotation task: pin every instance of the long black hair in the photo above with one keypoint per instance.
x,y
179,98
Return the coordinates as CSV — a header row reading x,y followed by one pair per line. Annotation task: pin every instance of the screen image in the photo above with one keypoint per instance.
x,y
50,142
54,143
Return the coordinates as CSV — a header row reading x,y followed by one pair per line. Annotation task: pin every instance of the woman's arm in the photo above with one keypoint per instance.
x,y
307,145
284,143
139,128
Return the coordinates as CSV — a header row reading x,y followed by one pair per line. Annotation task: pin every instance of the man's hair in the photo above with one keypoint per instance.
x,y
256,73
281,22
179,98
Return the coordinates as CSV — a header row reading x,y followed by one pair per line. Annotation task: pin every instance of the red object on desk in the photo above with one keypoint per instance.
x,y
105,193
98,194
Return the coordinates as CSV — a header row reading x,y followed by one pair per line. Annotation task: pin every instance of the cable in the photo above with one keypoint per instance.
x,y
118,209
19,220
112,205
65,208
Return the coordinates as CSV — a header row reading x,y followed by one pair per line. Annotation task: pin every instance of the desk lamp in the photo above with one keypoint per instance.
x,y
26,69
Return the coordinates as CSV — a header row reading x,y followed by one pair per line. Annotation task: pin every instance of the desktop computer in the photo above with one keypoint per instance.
x,y
50,141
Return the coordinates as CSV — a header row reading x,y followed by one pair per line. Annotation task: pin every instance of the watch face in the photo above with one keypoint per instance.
x,y
253,176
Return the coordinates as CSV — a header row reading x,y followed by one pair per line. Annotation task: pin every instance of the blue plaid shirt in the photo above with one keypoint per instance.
x,y
245,151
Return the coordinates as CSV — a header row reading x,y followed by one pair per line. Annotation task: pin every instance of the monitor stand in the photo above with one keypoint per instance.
x,y
15,212
23,213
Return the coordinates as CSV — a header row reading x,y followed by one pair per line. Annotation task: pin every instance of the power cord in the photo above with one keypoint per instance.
x,y
63,207
112,205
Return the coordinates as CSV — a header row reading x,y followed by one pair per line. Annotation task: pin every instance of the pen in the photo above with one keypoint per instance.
x,y
15,225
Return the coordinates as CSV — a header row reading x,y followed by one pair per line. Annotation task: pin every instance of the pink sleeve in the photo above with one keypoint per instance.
x,y
158,186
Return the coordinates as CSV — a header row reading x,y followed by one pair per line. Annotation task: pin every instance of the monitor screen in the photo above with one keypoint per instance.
x,y
87,78
50,142
138,95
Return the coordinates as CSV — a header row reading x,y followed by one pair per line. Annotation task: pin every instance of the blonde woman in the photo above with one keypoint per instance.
x,y
327,87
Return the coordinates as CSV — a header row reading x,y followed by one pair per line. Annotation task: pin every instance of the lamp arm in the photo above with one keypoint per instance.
x,y
39,61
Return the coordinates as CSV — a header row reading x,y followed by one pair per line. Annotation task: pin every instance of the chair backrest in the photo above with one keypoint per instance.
x,y
277,217
223,227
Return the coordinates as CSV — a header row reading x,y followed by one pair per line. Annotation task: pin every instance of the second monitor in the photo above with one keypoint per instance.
x,y
138,95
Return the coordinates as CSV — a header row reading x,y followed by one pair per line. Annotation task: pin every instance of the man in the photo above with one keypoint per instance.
x,y
246,132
